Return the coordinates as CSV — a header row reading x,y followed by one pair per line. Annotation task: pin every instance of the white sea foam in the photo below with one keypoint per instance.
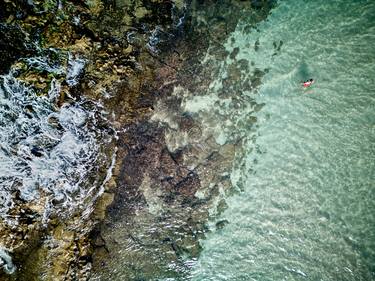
x,y
6,261
154,39
76,66
45,149
42,64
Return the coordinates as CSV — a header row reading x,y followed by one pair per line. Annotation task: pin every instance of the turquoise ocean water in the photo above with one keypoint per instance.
x,y
307,206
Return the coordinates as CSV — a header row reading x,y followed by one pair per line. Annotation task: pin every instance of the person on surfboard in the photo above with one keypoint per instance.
x,y
308,83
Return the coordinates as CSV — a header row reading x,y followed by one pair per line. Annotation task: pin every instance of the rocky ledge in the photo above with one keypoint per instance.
x,y
169,176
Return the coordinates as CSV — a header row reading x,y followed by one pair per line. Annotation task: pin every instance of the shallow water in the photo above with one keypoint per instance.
x,y
306,209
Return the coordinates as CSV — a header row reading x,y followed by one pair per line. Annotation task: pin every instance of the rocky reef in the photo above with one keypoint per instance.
x,y
175,173
78,52
163,174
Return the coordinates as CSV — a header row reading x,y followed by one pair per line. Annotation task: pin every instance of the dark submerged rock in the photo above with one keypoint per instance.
x,y
12,45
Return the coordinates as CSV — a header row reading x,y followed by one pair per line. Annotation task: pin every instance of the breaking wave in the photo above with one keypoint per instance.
x,y
47,151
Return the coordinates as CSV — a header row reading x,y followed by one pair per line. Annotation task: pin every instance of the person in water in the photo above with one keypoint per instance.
x,y
308,83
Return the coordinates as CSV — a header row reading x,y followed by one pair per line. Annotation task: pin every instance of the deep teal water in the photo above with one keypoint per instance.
x,y
306,209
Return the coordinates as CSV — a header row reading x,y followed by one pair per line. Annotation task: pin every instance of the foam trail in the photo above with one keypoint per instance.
x,y
6,262
46,149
